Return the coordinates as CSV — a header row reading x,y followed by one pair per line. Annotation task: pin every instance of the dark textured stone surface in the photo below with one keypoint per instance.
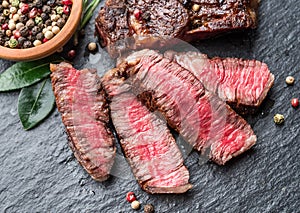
x,y
40,174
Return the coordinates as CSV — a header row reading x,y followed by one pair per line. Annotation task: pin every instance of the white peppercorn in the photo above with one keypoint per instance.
x,y
12,26
135,205
16,17
5,4
19,25
290,80
279,119
92,46
8,33
37,43
55,29
48,35
13,10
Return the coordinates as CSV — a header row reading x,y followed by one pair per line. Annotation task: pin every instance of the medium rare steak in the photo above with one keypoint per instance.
x,y
243,84
203,120
81,102
185,19
148,145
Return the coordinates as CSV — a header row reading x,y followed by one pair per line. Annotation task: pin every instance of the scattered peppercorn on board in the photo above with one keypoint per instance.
x,y
40,174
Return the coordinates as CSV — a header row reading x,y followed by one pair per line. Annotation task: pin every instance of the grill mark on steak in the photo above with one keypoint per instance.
x,y
243,84
200,117
81,101
148,145
173,19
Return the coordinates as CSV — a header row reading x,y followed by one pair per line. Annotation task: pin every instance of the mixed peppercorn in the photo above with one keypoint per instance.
x,y
29,23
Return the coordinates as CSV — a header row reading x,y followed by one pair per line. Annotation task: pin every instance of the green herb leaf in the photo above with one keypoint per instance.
x,y
88,13
35,103
23,74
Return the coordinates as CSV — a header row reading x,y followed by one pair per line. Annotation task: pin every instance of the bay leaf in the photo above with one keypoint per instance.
x,y
23,74
35,103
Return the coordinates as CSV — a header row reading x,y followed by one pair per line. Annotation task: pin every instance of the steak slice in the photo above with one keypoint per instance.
x,y
211,17
149,147
203,120
81,102
243,84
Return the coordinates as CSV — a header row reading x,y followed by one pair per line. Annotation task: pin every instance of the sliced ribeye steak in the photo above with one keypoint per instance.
x,y
243,84
185,19
148,145
81,101
204,121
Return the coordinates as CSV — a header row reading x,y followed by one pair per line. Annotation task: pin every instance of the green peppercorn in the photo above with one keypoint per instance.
x,y
59,10
15,3
38,20
13,43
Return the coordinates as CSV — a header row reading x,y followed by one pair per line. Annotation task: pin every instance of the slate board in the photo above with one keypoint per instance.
x,y
39,173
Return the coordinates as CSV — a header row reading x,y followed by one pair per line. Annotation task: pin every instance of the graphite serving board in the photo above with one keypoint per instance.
x,y
39,173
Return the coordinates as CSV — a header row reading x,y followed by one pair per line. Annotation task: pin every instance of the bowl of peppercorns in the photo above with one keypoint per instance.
x,y
34,29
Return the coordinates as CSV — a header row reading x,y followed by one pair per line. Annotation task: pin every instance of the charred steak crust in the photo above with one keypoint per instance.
x,y
199,116
148,145
81,102
242,83
211,17
185,19
120,19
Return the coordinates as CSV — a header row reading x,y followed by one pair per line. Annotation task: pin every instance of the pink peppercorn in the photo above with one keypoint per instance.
x,y
24,8
67,2
295,102
130,197
4,26
33,12
137,14
66,10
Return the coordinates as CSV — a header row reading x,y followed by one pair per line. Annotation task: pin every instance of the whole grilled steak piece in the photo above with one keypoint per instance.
x,y
203,120
212,17
81,102
186,19
243,84
120,19
148,145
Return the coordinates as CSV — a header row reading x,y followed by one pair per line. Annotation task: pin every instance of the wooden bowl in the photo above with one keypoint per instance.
x,y
50,46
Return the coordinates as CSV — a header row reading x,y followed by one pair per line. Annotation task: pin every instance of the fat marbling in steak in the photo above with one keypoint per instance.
x,y
148,145
84,111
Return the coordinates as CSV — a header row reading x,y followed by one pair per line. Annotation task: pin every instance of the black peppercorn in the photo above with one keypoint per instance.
x,y
51,3
39,3
30,38
30,23
21,40
35,30
44,16
40,36
60,22
48,22
24,31
46,9
2,33
1,8
27,44
2,19
23,19
2,41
